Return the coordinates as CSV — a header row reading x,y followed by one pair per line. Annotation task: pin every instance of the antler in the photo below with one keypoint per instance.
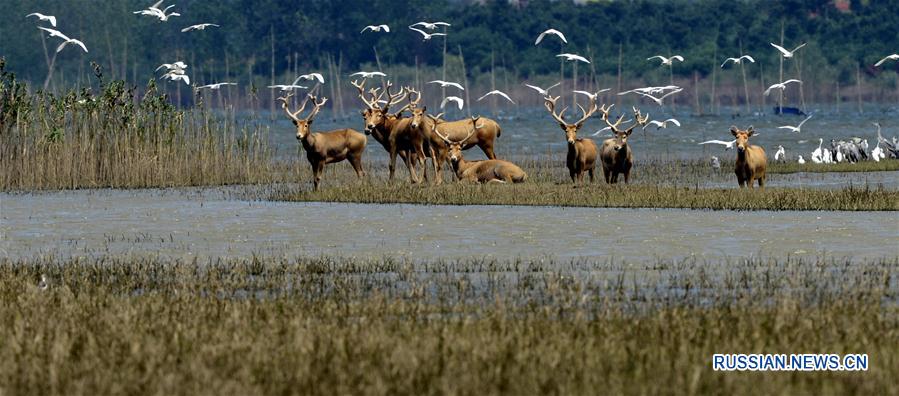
x,y
317,106
293,115
392,99
550,104
587,114
412,103
361,88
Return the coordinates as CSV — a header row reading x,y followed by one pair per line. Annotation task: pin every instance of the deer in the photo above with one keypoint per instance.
x,y
325,147
581,156
616,155
435,147
391,130
751,161
484,137
485,171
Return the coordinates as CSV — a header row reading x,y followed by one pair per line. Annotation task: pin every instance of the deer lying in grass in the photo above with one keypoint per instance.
x,y
616,154
751,160
325,147
581,152
394,133
486,171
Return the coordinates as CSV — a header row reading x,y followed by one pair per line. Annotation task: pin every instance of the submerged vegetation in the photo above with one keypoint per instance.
x,y
341,326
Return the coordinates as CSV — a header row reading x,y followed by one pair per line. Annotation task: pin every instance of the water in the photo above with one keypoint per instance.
x,y
531,131
185,223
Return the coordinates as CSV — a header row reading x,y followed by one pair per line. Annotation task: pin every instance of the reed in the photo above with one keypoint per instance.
x,y
263,325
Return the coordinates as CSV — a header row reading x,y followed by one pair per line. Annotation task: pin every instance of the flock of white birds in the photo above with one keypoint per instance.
x,y
842,150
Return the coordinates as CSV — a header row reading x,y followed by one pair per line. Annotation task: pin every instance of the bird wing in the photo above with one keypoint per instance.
x,y
186,79
80,44
52,20
423,33
768,91
735,60
794,129
664,59
670,93
536,88
386,28
656,123
503,94
678,58
803,121
781,49
888,57
585,93
800,46
367,28
748,57
673,121
721,142
558,33
61,46
187,29
54,33
441,24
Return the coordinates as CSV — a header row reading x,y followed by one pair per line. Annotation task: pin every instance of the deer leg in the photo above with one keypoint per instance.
x,y
591,174
392,165
317,169
487,148
411,167
422,160
607,174
356,161
627,175
438,178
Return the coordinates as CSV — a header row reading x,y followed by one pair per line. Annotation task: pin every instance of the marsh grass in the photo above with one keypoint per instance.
x,y
328,325
885,165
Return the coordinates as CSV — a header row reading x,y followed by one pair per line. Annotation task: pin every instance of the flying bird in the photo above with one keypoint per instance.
x,y
662,124
286,87
541,91
738,61
376,28
797,128
551,31
727,145
667,61
42,17
54,33
894,57
311,76
496,92
785,53
179,65
430,25
201,26
573,58
368,74
456,99
782,85
660,99
174,75
71,41
425,35
592,95
216,85
445,84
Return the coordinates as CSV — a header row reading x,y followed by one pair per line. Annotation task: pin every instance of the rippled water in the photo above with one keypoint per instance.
x,y
205,222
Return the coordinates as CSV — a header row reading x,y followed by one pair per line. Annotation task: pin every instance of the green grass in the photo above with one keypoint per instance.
x,y
601,195
340,326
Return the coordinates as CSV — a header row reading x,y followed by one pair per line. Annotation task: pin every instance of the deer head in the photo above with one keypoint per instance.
x,y
375,114
742,137
570,129
303,124
418,113
621,134
455,146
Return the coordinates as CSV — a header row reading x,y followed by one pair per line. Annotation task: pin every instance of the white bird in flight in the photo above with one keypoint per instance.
x,y
797,128
175,75
54,33
894,57
667,61
376,28
71,41
179,65
430,25
445,84
660,99
155,11
782,85
368,74
573,58
662,124
738,61
592,95
42,17
727,145
216,85
496,92
456,99
201,26
425,35
311,76
780,154
541,91
785,53
286,87
551,31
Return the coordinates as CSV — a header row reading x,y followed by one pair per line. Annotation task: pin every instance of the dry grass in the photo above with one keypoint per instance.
x,y
333,326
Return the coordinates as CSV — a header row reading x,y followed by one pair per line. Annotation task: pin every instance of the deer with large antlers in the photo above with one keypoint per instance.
x,y
485,171
420,122
392,131
751,160
484,137
325,147
616,154
581,152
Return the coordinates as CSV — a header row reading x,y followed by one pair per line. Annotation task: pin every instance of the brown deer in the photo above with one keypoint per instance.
x,y
325,147
392,131
434,146
484,137
751,161
581,152
485,171
617,157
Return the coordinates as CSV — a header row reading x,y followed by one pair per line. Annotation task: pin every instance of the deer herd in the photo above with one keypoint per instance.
x,y
420,136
